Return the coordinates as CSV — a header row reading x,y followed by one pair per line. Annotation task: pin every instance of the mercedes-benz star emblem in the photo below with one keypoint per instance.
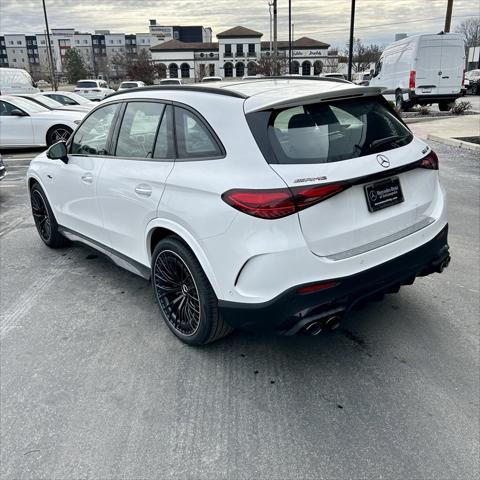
x,y
383,161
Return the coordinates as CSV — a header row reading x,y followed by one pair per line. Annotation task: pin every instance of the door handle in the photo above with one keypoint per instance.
x,y
446,77
143,189
87,177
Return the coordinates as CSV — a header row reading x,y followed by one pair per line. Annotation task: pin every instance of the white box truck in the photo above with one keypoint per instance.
x,y
422,69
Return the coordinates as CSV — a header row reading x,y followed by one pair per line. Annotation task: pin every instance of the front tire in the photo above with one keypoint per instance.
x,y
44,219
187,301
58,133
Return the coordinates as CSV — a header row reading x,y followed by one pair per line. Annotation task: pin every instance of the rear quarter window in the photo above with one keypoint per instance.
x,y
328,132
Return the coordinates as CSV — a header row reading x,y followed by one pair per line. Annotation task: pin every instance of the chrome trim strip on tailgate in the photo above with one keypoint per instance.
x,y
382,241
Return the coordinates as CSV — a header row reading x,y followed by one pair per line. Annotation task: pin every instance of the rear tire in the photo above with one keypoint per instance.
x,y
445,106
58,133
187,301
44,219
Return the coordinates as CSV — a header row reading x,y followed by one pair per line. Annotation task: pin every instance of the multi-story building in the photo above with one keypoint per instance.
x,y
238,52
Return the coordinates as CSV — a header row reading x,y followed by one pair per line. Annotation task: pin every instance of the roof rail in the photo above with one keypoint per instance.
x,y
306,77
191,88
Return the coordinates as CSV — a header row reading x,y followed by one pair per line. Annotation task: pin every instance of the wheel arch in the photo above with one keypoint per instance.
x,y
160,228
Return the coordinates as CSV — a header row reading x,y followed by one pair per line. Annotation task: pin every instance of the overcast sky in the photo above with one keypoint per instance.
x,y
325,20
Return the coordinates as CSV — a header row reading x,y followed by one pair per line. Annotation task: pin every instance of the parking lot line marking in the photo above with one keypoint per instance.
x,y
9,319
12,226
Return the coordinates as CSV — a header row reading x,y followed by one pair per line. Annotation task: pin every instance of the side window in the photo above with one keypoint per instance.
x,y
193,138
92,136
138,130
6,109
64,100
164,146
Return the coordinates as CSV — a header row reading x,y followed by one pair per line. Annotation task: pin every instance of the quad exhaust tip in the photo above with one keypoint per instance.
x,y
443,265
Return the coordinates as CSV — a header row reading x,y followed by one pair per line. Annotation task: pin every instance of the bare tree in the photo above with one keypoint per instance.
x,y
470,29
364,55
266,63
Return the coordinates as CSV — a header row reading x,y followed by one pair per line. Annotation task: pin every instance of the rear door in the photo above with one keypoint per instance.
x,y
452,65
356,143
428,67
133,179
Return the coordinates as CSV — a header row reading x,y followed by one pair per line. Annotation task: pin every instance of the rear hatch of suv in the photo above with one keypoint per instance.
x,y
354,169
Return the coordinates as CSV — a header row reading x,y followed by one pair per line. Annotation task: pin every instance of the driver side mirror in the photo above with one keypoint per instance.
x,y
58,151
16,112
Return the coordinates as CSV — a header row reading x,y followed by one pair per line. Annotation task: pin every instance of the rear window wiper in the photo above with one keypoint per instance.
x,y
393,140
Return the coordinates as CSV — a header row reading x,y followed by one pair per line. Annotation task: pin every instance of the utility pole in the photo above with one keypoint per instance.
x,y
350,45
290,36
270,5
275,46
49,46
448,17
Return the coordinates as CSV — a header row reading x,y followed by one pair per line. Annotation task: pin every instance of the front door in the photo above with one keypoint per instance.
x,y
14,130
73,186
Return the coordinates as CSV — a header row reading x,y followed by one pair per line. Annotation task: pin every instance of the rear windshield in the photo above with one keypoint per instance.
x,y
128,85
86,85
328,132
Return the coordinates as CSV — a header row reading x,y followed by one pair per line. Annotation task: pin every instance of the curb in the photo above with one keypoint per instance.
x,y
453,142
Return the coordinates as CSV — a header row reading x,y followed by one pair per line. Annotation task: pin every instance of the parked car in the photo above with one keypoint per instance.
x,y
69,99
361,78
95,90
24,123
212,79
130,84
171,81
421,70
16,80
472,82
52,104
42,84
312,197
3,170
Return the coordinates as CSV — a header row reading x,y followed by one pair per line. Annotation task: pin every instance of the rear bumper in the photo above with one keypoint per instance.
x,y
451,97
290,311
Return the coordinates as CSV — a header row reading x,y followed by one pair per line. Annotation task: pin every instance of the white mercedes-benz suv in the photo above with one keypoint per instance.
x,y
272,204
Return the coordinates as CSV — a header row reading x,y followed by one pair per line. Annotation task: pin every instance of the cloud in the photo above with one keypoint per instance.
x,y
376,20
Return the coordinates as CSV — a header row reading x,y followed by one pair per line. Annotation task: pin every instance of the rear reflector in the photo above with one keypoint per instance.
x,y
411,81
316,287
280,202
430,161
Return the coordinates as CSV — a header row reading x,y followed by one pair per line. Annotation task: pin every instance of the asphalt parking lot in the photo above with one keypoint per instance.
x,y
93,385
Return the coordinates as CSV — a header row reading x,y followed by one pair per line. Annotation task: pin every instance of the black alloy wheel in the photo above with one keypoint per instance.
x,y
41,216
177,293
186,298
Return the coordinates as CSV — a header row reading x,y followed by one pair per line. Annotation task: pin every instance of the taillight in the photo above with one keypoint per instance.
x,y
463,78
77,90
430,161
95,90
281,202
411,80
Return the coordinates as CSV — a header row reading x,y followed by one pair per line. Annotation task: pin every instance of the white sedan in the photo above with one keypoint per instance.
x,y
51,104
24,123
95,90
69,99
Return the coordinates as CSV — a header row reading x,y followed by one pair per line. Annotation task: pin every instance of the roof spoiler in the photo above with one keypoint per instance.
x,y
317,97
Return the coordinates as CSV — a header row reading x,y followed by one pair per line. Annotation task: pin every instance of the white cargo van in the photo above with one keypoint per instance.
x,y
16,80
422,69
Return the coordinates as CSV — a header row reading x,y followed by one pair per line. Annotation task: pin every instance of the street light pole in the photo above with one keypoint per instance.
x,y
49,46
448,17
350,45
290,36
275,46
